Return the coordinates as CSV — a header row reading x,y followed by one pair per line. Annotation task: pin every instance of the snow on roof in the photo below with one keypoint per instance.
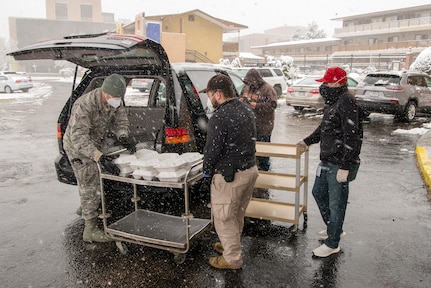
x,y
248,55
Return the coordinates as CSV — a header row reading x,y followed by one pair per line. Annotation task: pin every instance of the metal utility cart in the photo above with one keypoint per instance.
x,y
154,229
282,210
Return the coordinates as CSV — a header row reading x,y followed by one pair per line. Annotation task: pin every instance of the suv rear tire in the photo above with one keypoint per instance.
x,y
409,112
278,90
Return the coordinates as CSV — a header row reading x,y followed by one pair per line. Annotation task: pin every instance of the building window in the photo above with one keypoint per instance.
x,y
86,12
421,37
372,41
393,39
60,11
191,17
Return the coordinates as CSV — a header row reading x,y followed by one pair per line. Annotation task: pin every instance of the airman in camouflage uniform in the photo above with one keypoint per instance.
x,y
93,116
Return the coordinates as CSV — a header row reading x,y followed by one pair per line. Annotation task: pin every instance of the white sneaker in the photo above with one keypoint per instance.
x,y
325,251
324,234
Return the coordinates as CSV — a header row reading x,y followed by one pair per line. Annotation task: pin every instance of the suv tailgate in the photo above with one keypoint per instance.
x,y
90,51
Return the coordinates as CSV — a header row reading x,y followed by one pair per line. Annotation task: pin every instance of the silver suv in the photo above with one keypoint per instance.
x,y
271,75
400,93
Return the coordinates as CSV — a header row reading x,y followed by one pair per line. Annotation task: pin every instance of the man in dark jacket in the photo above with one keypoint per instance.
x,y
340,135
230,162
262,98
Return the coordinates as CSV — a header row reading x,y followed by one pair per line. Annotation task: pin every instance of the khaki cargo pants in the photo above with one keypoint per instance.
x,y
229,200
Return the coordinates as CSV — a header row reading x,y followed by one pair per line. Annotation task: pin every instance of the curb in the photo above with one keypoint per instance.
x,y
424,163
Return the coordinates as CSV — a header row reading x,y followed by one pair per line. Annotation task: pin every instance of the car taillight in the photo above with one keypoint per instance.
x,y
176,135
195,92
18,81
314,91
59,135
394,87
290,90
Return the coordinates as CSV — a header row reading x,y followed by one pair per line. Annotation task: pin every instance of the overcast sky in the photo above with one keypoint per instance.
x,y
258,15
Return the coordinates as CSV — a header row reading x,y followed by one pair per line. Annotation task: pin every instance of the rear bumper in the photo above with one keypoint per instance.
x,y
380,107
64,170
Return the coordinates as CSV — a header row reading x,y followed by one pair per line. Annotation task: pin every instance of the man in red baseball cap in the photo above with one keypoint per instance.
x,y
334,75
340,135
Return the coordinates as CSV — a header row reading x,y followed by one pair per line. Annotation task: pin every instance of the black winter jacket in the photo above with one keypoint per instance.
x,y
231,138
340,133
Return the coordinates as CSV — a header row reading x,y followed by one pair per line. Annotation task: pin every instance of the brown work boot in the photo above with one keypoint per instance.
x,y
218,247
92,233
220,263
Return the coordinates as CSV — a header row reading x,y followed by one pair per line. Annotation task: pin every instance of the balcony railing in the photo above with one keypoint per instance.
x,y
406,45
373,28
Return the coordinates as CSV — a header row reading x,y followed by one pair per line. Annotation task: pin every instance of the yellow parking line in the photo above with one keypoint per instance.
x,y
424,163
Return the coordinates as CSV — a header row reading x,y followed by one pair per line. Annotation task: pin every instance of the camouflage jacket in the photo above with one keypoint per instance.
x,y
89,124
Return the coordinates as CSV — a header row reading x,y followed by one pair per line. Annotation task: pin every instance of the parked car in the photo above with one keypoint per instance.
x,y
11,82
305,93
402,94
142,84
272,75
171,117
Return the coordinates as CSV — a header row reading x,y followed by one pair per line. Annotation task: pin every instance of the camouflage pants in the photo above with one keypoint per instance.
x,y
87,175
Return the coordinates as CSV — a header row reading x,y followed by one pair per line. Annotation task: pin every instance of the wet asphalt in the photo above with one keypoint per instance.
x,y
387,223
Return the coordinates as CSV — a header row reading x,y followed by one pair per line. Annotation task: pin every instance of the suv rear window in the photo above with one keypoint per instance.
x,y
265,72
382,79
278,72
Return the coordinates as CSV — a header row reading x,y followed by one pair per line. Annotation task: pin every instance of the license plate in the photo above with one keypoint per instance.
x,y
301,93
374,94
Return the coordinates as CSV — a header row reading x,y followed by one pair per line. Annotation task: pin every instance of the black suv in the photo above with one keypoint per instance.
x,y
170,116
399,93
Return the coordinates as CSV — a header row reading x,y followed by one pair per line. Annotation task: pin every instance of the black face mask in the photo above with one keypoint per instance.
x,y
330,94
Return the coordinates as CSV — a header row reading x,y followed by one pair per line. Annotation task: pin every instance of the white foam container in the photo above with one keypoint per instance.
x,y
146,154
172,176
144,164
126,171
191,158
145,174
124,160
170,165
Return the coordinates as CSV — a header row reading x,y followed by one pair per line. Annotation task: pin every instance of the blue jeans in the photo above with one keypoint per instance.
x,y
331,198
263,162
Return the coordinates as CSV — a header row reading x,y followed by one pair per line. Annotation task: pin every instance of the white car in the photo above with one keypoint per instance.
x,y
142,84
10,83
271,75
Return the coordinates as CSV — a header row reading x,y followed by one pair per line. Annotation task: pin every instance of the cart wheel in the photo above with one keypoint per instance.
x,y
305,220
179,258
121,247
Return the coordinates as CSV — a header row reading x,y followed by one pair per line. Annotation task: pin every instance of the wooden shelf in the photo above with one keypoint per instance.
x,y
279,150
280,210
273,210
279,181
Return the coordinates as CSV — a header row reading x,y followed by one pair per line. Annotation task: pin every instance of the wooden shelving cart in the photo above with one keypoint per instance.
x,y
280,210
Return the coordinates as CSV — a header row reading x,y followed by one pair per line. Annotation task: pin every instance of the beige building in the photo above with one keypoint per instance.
x,y
202,35
385,40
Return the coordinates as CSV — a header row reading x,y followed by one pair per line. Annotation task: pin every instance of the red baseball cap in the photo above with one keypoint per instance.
x,y
333,75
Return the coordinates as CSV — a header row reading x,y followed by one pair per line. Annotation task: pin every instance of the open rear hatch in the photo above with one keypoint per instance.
x,y
91,51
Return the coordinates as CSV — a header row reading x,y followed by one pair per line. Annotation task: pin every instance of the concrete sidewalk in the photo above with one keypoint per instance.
x,y
423,154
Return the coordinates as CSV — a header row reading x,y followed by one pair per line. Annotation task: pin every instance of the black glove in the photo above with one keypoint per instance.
x,y
128,143
107,165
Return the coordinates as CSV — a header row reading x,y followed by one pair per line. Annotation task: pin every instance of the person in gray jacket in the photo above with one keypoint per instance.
x,y
93,116
262,98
